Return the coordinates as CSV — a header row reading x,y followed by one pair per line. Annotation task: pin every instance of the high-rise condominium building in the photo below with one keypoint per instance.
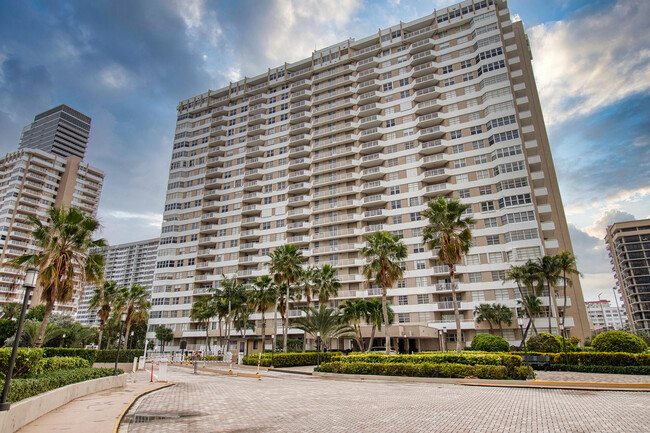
x,y
356,139
126,264
31,181
603,316
61,130
628,244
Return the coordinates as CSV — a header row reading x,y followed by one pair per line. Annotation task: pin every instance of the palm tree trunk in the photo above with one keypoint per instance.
x,y
126,336
372,337
263,332
220,333
286,321
357,327
275,321
49,306
564,293
459,332
384,310
550,308
523,301
100,333
207,335
523,337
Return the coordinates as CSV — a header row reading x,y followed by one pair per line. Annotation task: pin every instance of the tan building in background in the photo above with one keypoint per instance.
x,y
356,139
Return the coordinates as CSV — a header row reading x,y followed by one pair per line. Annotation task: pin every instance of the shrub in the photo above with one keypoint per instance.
x,y
125,355
608,369
58,363
466,358
547,343
618,341
7,329
26,365
490,343
597,358
290,359
24,388
89,355
575,341
449,370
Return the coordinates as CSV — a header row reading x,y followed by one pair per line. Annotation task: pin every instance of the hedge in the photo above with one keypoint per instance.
x,y
609,369
125,355
58,363
618,341
94,355
503,359
88,354
548,343
425,369
290,359
26,365
490,343
24,388
597,358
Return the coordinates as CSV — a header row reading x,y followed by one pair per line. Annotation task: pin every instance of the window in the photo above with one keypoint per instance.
x,y
490,222
420,265
502,121
475,130
404,94
462,178
458,148
507,151
502,294
468,76
495,258
408,132
521,235
503,136
418,248
473,259
414,201
465,64
493,240
454,121
424,316
396,204
393,162
401,284
415,216
478,144
459,163
387,86
404,82
403,318
515,200
463,193
390,123
421,282
480,159
485,190
397,219
394,190
448,82
423,298
478,295
518,217
456,134
402,300
447,69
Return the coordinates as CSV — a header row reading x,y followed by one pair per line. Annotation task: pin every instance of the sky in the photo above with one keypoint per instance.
x,y
127,64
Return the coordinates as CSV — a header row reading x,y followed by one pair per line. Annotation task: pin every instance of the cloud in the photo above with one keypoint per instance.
x,y
592,61
599,227
114,76
592,261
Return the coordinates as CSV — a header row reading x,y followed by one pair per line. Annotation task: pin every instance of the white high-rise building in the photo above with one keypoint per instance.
x,y
356,139
603,316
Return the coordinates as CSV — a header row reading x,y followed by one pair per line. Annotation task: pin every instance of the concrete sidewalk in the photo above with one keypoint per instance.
x,y
96,412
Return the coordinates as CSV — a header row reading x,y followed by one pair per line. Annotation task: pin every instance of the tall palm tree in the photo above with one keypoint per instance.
x,y
485,313
375,317
103,300
385,254
263,296
204,309
353,311
135,301
326,282
520,275
63,244
11,310
451,233
567,264
286,264
548,271
325,321
307,289
502,314
230,291
532,308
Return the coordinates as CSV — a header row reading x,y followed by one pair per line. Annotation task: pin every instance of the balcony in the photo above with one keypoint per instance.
x,y
334,178
300,187
300,128
433,146
431,133
249,246
252,185
370,62
438,189
373,215
332,192
371,147
437,160
373,187
373,173
251,209
300,139
251,221
298,213
301,117
338,204
373,228
250,234
369,109
302,84
296,164
374,200
300,175
299,240
436,175
300,200
301,226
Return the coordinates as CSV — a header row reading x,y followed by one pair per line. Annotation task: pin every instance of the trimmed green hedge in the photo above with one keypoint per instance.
x,y
290,359
26,365
597,358
466,358
88,354
618,341
125,355
24,388
58,363
548,343
490,343
609,369
425,369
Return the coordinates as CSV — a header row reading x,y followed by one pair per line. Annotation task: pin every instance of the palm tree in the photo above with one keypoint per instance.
x,y
263,296
385,253
63,253
325,321
449,231
31,333
306,284
520,275
485,313
326,282
135,301
286,264
502,314
103,300
548,272
375,317
353,311
11,310
204,309
532,308
567,264
230,291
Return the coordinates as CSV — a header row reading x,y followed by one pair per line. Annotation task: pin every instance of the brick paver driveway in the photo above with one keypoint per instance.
x,y
288,403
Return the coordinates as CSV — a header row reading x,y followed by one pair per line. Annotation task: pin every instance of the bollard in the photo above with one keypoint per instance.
x,y
151,371
135,364
196,365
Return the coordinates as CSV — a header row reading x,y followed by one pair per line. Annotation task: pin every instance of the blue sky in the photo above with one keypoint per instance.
x,y
128,63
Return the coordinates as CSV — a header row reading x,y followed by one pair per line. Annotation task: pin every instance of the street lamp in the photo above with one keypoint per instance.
x,y
318,348
520,321
444,338
618,312
119,343
28,285
63,340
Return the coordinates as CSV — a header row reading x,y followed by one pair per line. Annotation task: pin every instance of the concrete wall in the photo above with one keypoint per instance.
x,y
126,366
26,411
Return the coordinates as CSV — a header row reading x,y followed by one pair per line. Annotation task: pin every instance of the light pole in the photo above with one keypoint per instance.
x,y
444,338
566,356
618,311
119,343
318,348
602,311
28,285
520,321
440,339
63,340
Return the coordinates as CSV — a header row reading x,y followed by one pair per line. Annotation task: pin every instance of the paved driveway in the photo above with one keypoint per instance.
x,y
288,403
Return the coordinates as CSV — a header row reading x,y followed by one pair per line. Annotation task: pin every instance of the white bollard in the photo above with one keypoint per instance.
x,y
162,370
240,358
141,363
135,365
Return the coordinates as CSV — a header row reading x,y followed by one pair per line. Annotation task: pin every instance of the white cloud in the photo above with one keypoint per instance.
x,y
114,76
592,61
609,217
202,24
151,218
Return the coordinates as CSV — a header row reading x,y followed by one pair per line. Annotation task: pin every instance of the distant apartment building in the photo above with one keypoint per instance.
x,y
356,139
61,130
31,181
628,244
603,316
126,264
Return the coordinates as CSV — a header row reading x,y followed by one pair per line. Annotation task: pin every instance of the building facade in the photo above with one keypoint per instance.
x,y
604,317
126,264
32,181
61,130
356,139
628,244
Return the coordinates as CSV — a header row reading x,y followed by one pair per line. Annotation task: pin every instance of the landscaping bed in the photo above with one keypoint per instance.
x,y
606,359
290,359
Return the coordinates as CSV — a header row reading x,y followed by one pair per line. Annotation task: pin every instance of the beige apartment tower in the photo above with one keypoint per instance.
x,y
355,139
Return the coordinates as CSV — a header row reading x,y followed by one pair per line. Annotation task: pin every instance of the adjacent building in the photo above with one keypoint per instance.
x,y
628,244
126,264
604,317
62,131
356,139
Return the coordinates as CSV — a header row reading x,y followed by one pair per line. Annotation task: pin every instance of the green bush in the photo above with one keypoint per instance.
x,y
608,369
618,341
290,359
88,354
466,358
26,365
490,343
7,329
58,363
24,388
125,355
547,343
597,358
448,370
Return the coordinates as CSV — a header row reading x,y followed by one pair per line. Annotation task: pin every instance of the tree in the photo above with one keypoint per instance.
x,y
306,286
548,272
103,300
286,264
164,335
326,283
567,264
385,253
520,275
230,291
204,309
353,311
135,301
326,322
485,313
532,308
63,245
11,310
375,317
263,296
450,232
32,331
502,314
243,308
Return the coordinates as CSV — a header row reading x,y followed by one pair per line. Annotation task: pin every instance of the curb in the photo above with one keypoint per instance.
x,y
121,417
281,370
